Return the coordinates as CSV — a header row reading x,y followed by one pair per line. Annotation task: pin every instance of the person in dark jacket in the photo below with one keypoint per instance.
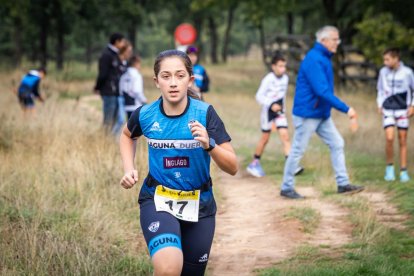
x,y
314,99
107,82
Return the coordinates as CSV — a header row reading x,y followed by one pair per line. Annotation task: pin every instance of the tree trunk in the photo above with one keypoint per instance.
x,y
290,22
213,39
132,33
228,30
17,39
330,11
198,24
262,41
44,33
304,16
60,50
88,50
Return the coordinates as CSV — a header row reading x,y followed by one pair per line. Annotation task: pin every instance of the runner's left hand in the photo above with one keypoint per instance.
x,y
410,111
199,133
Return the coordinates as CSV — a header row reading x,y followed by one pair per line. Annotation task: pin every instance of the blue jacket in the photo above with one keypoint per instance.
x,y
314,95
201,78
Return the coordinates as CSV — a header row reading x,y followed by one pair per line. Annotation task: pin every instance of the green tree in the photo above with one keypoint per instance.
x,y
16,13
376,33
63,12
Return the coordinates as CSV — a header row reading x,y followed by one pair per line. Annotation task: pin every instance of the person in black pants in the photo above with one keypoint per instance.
x,y
108,79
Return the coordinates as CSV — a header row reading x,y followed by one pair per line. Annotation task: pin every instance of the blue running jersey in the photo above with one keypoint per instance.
x,y
175,158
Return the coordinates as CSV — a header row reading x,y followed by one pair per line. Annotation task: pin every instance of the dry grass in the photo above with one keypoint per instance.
x,y
61,208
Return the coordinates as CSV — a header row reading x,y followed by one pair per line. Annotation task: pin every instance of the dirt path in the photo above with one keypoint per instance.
x,y
252,229
385,212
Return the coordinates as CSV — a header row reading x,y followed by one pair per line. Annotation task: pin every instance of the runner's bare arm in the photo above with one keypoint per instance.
x,y
222,154
225,158
127,147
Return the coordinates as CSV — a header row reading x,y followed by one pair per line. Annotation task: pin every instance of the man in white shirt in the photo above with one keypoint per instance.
x,y
395,102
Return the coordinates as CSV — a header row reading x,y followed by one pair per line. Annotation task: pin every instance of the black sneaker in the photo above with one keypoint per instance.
x,y
292,194
299,170
350,189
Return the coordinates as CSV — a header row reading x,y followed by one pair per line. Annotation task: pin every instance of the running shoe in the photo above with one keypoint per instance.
x,y
404,177
389,173
350,189
255,169
291,194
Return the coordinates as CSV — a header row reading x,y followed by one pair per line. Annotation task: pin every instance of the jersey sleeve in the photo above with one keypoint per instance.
x,y
216,128
380,89
411,85
261,92
134,125
36,88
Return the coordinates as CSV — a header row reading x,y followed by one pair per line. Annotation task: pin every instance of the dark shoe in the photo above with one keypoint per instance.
x,y
292,194
350,189
299,170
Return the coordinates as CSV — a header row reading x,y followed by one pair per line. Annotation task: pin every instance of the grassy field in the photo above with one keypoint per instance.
x,y
62,211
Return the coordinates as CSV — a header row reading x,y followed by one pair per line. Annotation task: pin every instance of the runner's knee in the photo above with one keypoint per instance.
x,y
168,261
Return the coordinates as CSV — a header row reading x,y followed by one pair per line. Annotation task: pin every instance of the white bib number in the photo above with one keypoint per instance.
x,y
183,205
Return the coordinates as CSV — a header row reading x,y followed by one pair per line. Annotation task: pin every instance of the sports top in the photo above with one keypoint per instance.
x,y
131,86
272,90
29,85
176,159
395,88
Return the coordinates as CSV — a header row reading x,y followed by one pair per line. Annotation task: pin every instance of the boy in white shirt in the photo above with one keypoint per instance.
x,y
271,96
131,86
395,102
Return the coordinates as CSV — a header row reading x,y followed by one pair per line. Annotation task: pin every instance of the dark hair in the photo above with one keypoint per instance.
x,y
115,37
134,60
277,57
192,49
184,58
394,52
42,69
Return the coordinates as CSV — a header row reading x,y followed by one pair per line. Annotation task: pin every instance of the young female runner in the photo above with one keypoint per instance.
x,y
177,206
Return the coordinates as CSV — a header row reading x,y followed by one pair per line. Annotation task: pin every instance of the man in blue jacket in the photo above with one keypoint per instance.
x,y
312,105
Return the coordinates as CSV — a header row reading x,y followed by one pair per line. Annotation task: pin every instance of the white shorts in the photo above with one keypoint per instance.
x,y
397,118
280,121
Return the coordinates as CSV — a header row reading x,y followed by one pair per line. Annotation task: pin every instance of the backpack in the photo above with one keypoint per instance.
x,y
206,82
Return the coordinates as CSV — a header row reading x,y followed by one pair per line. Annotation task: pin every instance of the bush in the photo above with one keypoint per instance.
x,y
379,32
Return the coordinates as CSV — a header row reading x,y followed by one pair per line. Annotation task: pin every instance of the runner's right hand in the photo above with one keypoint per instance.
x,y
380,110
129,179
276,107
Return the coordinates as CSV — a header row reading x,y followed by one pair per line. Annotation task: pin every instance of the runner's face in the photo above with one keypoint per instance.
x,y
120,43
127,54
390,61
173,80
193,58
279,68
332,42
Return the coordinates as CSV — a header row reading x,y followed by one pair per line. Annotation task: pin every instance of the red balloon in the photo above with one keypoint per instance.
x,y
185,34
